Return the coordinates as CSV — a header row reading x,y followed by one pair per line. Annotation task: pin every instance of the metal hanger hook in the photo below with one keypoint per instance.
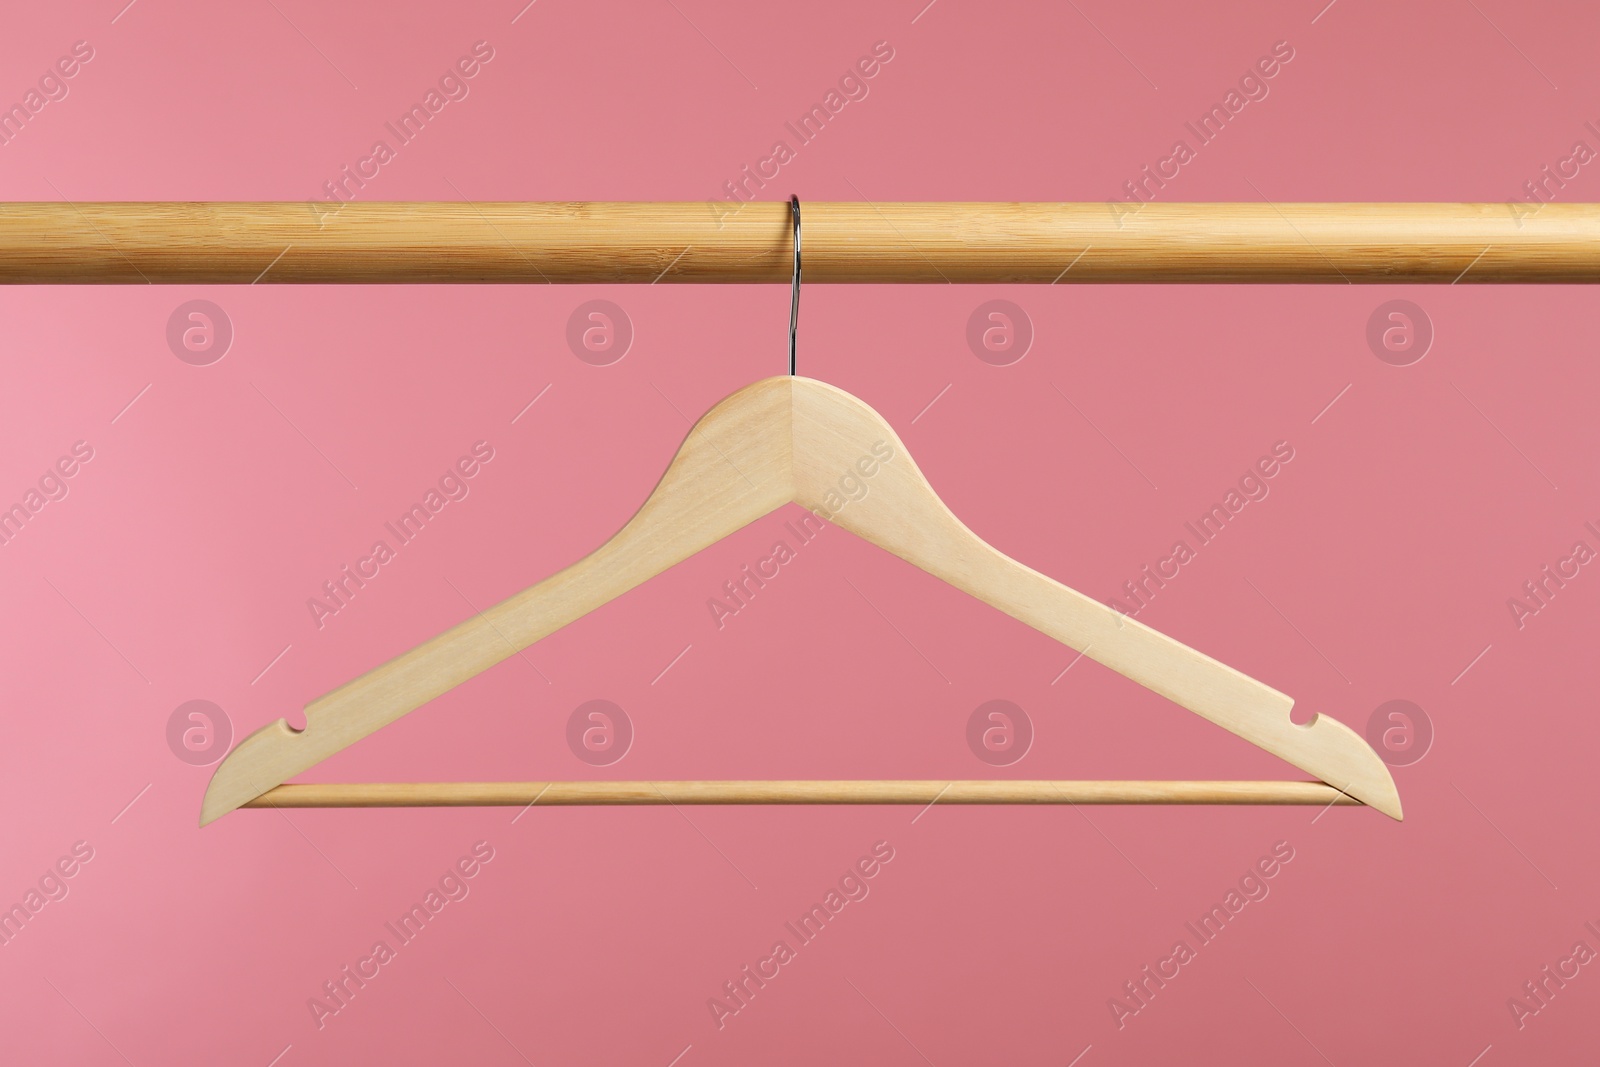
x,y
794,286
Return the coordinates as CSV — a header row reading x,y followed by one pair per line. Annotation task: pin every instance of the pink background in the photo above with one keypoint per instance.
x,y
179,564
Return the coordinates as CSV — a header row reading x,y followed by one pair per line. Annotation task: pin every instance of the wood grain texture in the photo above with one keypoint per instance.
x,y
567,794
795,439
280,243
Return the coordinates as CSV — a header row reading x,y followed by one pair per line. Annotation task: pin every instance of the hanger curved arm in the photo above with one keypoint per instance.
x,y
732,469
903,515
776,441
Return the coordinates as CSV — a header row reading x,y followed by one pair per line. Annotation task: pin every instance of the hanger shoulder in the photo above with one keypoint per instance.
x,y
901,513
733,468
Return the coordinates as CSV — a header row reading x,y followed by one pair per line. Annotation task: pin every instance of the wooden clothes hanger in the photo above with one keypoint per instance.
x,y
781,440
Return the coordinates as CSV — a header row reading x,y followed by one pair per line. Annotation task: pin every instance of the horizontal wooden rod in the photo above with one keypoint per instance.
x,y
719,241
558,794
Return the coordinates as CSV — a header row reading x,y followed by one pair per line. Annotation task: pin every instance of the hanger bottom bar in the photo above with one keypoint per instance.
x,y
565,794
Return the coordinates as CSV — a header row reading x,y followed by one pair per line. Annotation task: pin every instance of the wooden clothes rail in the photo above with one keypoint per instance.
x,y
321,242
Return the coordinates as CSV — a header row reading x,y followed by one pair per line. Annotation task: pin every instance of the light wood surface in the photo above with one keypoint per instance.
x,y
563,794
793,439
298,242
